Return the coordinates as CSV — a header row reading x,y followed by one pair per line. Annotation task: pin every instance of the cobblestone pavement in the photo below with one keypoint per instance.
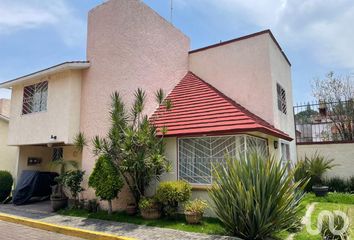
x,y
116,228
11,231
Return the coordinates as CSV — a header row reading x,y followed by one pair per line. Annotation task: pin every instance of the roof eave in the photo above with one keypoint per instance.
x,y
238,131
267,31
75,65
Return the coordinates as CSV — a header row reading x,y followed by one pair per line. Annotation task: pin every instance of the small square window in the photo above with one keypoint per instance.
x,y
57,154
281,99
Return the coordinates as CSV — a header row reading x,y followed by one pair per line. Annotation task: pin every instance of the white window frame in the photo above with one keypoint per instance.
x,y
217,136
36,99
287,159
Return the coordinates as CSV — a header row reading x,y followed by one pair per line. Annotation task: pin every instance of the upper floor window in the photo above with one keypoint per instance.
x,y
281,99
35,98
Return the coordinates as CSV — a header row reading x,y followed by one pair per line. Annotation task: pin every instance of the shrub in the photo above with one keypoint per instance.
x,y
336,184
106,180
6,182
196,206
301,174
171,193
317,166
351,184
254,196
72,180
338,224
147,203
310,170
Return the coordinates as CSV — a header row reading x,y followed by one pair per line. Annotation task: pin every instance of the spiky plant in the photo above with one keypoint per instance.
x,y
318,165
254,196
133,145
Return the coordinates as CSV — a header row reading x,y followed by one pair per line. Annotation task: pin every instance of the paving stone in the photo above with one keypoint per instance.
x,y
11,231
122,229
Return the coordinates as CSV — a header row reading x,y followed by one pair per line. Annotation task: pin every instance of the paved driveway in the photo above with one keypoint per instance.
x,y
11,231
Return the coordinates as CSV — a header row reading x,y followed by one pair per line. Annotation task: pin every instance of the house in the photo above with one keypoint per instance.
x,y
226,97
8,154
323,130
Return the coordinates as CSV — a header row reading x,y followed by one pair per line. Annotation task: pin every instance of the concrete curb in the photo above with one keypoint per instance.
x,y
74,232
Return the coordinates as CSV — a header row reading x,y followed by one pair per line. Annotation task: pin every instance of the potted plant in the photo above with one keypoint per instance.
x,y
317,167
131,209
194,210
171,193
92,205
72,180
58,198
149,208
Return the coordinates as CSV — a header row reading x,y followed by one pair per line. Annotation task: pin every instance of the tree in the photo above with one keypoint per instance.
x,y
336,94
106,180
132,143
72,180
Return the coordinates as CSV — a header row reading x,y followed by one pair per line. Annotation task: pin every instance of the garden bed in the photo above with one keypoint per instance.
x,y
208,225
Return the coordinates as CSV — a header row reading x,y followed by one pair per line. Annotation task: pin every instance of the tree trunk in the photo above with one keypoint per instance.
x,y
109,207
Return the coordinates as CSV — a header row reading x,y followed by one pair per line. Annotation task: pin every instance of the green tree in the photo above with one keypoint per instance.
x,y
106,180
336,93
132,143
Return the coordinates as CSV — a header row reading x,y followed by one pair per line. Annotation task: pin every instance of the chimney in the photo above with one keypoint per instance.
x,y
5,107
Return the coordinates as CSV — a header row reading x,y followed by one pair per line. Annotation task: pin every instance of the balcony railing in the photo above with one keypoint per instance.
x,y
324,122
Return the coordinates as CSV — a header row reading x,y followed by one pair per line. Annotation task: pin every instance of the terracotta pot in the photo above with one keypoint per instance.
x,y
58,203
320,191
193,218
151,213
131,210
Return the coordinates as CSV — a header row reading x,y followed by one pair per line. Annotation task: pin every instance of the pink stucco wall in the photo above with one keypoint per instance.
x,y
129,46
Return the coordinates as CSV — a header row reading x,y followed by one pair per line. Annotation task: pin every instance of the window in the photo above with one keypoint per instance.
x,y
57,154
281,99
285,154
197,155
35,98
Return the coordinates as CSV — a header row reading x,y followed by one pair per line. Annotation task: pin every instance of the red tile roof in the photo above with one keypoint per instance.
x,y
199,108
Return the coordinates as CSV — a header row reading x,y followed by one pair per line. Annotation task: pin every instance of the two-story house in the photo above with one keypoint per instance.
x,y
8,154
226,97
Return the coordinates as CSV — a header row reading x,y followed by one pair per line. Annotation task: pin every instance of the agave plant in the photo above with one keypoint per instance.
x,y
254,196
317,166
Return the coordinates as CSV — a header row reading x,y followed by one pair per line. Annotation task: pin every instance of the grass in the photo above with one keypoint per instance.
x,y
208,226
333,201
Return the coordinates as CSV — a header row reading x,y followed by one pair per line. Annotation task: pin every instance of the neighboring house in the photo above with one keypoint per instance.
x,y
8,154
225,97
318,133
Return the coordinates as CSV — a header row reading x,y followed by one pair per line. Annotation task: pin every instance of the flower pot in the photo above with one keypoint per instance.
x,y
131,210
151,213
193,217
320,191
58,203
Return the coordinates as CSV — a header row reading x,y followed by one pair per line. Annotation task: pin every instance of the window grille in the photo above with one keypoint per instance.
x,y
281,99
57,154
197,155
285,155
35,98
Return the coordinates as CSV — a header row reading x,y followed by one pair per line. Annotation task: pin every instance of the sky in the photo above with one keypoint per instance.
x,y
316,35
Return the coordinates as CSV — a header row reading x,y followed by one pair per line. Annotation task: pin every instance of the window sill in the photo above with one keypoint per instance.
x,y
201,187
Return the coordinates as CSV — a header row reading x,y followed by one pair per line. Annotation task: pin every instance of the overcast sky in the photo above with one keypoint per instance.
x,y
316,35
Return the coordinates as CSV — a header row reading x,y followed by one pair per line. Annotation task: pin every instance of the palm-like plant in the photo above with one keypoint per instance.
x,y
132,143
317,166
